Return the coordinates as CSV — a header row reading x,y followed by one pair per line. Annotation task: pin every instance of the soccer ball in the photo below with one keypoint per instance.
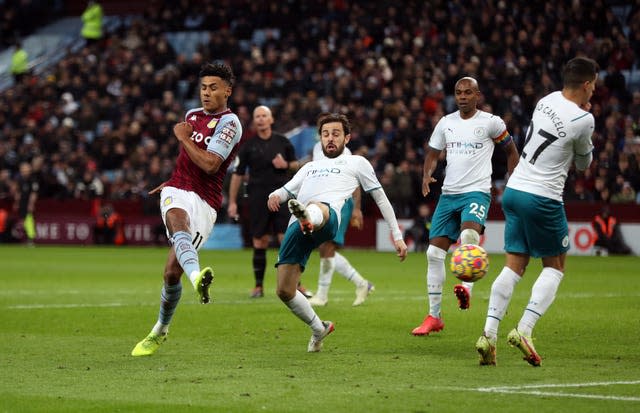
x,y
469,262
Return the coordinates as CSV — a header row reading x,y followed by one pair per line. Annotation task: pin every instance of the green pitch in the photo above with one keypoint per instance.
x,y
70,317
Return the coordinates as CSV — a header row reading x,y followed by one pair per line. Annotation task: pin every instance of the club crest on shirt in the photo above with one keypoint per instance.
x,y
212,123
167,201
193,117
478,132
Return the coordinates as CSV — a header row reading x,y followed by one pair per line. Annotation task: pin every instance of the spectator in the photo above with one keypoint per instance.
x,y
626,195
19,63
387,64
608,234
418,233
92,22
109,227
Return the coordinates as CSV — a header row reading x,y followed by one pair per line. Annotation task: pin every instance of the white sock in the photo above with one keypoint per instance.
x,y
469,286
542,295
315,215
327,266
344,268
501,292
300,306
435,278
194,277
160,329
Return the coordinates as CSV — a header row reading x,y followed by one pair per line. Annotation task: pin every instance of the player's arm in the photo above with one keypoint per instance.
x,y
583,161
287,191
429,166
389,216
583,147
356,215
234,188
207,161
512,156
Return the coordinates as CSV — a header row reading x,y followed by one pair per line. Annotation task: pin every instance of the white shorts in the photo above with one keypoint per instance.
x,y
202,216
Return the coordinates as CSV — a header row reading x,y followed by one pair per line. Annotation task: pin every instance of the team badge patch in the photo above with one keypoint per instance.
x,y
167,201
479,131
212,124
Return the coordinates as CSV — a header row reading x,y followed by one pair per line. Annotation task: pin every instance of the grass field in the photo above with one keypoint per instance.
x,y
71,315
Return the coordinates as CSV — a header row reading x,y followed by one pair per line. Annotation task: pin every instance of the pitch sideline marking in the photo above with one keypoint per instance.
x,y
524,390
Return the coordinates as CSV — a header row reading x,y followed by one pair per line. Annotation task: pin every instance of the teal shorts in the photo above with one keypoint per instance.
x,y
296,246
453,210
535,225
345,213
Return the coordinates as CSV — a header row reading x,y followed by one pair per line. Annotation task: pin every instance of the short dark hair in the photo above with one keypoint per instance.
x,y
334,117
579,70
221,70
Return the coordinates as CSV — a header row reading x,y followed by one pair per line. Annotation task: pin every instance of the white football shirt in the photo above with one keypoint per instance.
x,y
332,180
469,145
559,130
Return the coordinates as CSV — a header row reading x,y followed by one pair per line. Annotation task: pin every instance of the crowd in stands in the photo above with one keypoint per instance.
x,y
99,123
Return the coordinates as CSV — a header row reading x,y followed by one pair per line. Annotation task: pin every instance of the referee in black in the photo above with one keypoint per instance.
x,y
269,160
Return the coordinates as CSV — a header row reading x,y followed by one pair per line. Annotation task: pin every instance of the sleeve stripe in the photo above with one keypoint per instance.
x,y
579,117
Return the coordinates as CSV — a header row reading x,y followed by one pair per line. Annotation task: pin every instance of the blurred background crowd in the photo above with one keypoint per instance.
x,y
98,124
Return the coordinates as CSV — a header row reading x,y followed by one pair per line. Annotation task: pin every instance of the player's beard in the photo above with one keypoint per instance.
x,y
335,154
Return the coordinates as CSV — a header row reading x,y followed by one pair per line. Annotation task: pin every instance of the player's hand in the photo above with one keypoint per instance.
x,y
428,180
157,188
356,219
232,211
401,248
273,203
183,130
586,106
279,162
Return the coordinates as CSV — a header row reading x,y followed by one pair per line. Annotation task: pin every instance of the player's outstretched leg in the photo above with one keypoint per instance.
x,y
300,212
148,345
203,282
315,343
525,345
429,325
486,347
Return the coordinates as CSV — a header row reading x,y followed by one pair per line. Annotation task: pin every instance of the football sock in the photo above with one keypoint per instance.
x,y
315,215
186,254
29,227
169,298
300,306
542,295
435,278
259,265
469,286
344,268
501,292
327,266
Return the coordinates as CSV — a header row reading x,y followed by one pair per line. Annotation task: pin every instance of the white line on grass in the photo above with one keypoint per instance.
x,y
46,306
338,297
525,390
